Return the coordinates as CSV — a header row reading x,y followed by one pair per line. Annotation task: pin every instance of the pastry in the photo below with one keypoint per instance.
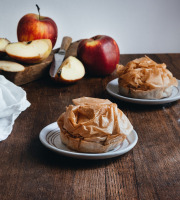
x,y
145,79
93,125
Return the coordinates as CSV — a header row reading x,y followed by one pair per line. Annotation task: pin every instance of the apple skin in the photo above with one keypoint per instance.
x,y
99,54
30,27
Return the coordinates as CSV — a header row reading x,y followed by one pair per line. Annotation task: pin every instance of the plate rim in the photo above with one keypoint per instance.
x,y
143,101
110,154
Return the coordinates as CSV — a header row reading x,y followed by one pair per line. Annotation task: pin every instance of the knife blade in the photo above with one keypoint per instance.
x,y
59,56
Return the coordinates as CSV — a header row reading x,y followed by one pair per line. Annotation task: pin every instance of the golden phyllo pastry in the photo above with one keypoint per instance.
x,y
145,79
93,125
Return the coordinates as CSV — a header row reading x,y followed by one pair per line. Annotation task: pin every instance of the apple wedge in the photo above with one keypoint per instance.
x,y
34,51
3,43
70,71
11,66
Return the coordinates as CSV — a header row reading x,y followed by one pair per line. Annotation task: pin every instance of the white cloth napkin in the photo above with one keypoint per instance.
x,y
12,102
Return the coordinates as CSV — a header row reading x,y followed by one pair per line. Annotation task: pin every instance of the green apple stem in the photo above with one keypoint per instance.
x,y
38,8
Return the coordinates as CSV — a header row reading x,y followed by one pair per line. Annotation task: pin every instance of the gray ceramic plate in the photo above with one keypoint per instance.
x,y
112,88
50,138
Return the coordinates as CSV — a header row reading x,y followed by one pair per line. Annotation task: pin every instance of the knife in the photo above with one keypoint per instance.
x,y
59,56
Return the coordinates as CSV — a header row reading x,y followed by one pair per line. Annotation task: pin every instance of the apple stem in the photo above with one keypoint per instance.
x,y
38,8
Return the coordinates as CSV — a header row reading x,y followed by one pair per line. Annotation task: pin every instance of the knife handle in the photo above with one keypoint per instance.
x,y
65,43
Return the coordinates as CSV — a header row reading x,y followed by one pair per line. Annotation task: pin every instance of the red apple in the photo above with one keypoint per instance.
x,y
33,27
99,54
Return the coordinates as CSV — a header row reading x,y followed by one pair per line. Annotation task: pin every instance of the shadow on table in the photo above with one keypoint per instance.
x,y
39,154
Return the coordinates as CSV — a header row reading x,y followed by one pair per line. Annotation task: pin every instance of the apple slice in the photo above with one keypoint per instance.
x,y
34,51
70,71
3,43
11,66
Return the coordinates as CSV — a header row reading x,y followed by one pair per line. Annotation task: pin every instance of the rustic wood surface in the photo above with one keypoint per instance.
x,y
149,171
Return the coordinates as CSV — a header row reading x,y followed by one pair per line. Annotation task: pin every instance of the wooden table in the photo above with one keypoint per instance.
x,y
149,171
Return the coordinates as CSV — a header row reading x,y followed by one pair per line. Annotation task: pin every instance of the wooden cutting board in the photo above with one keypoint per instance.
x,y
37,71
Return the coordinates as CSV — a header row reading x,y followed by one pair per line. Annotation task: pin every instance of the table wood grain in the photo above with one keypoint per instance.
x,y
149,171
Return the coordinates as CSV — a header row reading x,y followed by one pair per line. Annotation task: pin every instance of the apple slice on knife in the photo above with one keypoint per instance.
x,y
70,71
33,51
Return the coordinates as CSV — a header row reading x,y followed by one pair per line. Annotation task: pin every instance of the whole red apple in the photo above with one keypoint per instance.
x,y
99,54
33,27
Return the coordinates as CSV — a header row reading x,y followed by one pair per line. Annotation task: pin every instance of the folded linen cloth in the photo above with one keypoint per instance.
x,y
12,102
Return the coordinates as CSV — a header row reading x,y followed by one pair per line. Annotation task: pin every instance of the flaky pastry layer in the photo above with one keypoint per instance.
x,y
144,78
93,125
